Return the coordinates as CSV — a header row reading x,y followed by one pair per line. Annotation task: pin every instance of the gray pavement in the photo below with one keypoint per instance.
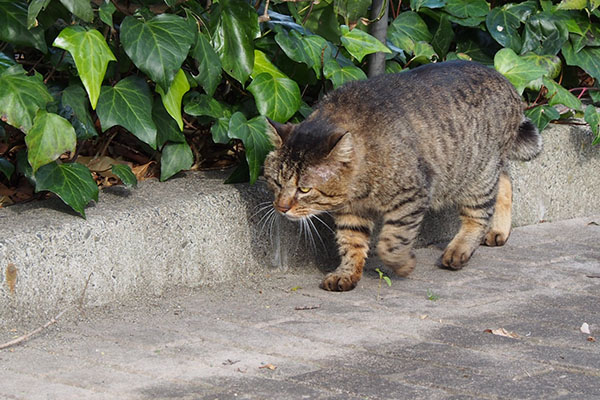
x,y
275,335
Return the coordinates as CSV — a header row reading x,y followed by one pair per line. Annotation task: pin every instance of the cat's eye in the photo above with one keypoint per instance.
x,y
304,189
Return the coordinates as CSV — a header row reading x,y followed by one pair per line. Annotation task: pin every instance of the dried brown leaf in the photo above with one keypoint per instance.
x,y
11,277
502,332
268,366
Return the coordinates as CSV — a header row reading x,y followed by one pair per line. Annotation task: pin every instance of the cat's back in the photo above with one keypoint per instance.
x,y
446,88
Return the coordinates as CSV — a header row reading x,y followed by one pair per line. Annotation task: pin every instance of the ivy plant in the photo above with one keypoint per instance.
x,y
73,73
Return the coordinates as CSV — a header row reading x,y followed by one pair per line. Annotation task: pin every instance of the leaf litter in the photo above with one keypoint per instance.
x,y
502,332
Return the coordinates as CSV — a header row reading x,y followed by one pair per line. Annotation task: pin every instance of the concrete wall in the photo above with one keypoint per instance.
x,y
194,230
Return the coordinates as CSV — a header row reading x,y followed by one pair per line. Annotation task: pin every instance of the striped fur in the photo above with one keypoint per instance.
x,y
393,147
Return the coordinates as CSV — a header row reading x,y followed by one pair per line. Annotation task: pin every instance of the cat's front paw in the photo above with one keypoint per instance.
x,y
336,282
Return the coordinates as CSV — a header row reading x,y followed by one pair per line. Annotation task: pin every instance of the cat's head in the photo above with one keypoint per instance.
x,y
310,167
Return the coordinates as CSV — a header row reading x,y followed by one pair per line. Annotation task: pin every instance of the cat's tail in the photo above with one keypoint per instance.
x,y
527,144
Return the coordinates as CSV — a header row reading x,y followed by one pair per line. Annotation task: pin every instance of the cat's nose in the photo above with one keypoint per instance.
x,y
282,208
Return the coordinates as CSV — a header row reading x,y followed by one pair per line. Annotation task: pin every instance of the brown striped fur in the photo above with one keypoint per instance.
x,y
397,145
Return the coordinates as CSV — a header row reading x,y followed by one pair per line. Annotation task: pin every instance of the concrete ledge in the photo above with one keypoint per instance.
x,y
194,231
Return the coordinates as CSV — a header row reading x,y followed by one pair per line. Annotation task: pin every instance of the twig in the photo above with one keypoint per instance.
x,y
265,17
312,3
105,147
28,336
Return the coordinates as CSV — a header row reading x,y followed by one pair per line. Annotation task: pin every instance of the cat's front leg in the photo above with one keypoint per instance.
x,y
353,233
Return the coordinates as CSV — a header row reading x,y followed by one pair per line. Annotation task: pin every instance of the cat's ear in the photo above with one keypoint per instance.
x,y
343,148
278,133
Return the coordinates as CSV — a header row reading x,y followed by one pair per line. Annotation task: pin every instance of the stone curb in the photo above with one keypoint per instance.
x,y
193,230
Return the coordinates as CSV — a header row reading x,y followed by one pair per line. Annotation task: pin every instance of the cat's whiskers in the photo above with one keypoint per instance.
x,y
263,206
314,229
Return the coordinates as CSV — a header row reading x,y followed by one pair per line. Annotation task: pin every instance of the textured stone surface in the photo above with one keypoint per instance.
x,y
276,335
193,231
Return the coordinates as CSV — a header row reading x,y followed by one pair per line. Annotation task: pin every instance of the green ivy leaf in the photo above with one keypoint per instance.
x,y
6,167
35,6
80,8
73,183
125,174
470,22
572,5
519,71
106,11
276,97
21,96
443,36
552,65
424,53
339,75
304,49
588,59
503,24
204,105
167,129
6,62
23,166
416,5
220,130
559,95
50,136
583,32
542,115
473,52
351,10
172,99
233,38
13,26
263,65
392,67
91,55
408,29
544,34
467,8
209,65
256,142
128,104
175,157
592,117
159,46
359,43
74,99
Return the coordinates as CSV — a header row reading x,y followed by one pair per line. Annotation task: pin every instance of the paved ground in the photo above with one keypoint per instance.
x,y
278,336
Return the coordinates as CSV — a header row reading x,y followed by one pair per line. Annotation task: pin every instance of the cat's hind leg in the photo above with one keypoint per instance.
x,y
352,233
502,218
400,228
475,222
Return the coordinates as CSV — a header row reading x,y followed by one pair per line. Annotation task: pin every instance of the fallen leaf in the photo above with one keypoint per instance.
x,y
144,171
591,339
268,366
11,277
594,223
502,332
424,316
585,328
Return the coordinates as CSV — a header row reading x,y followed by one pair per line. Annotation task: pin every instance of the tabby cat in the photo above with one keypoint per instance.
x,y
396,145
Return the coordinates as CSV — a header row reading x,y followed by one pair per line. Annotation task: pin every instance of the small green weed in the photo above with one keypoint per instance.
x,y
432,296
382,277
